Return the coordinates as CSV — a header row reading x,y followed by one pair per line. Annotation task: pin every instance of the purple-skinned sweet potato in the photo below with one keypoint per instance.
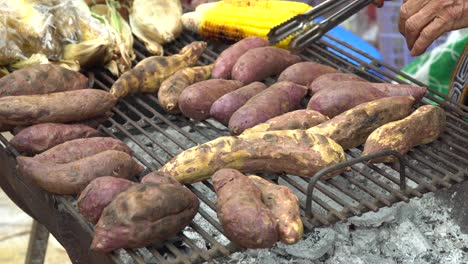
x,y
259,63
417,92
158,177
38,138
246,220
223,108
327,80
145,213
196,100
98,194
280,98
71,178
41,79
226,60
81,148
304,73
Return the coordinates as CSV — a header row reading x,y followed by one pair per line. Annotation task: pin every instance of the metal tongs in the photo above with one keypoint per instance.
x,y
305,31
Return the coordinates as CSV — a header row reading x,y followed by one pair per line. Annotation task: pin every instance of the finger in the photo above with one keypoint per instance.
x,y
418,21
379,3
430,33
407,10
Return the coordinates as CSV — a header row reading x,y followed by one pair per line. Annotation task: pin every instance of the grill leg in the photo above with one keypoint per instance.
x,y
37,246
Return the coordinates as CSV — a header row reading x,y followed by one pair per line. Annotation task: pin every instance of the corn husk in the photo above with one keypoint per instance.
x,y
89,53
3,72
35,59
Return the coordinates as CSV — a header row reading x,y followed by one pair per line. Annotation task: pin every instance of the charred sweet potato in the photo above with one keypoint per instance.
x,y
276,100
41,137
346,95
196,100
223,108
284,205
172,87
299,119
328,80
81,148
98,194
295,152
259,63
145,213
423,126
157,177
226,60
71,178
304,73
62,107
245,219
41,79
351,128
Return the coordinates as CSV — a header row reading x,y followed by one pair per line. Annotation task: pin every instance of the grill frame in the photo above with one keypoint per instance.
x,y
137,119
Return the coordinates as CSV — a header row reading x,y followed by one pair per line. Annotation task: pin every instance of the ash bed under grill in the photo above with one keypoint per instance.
x,y
156,137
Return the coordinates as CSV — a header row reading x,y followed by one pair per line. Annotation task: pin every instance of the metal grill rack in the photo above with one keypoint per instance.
x,y
156,137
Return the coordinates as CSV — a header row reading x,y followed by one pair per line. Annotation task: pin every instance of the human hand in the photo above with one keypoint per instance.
x,y
379,3
423,21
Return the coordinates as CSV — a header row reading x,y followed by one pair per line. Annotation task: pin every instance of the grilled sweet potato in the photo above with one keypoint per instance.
x,y
346,95
98,194
226,60
304,73
148,74
245,219
223,108
41,79
145,213
327,80
423,126
351,128
259,63
172,87
157,177
62,107
71,178
284,205
417,92
294,152
196,100
81,148
276,100
41,137
299,119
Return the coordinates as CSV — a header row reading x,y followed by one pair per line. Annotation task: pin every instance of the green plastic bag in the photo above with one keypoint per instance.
x,y
435,67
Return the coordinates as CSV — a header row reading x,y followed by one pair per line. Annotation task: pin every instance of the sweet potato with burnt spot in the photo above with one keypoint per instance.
x,y
196,100
144,214
259,63
98,194
172,87
328,80
226,60
423,126
346,95
223,108
157,177
295,152
276,100
41,79
351,128
81,148
41,137
62,107
304,73
299,119
71,178
246,220
284,205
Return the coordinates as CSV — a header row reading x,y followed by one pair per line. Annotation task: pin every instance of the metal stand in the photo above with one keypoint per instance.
x,y
37,246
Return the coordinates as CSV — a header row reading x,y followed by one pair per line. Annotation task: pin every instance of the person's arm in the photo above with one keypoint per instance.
x,y
423,21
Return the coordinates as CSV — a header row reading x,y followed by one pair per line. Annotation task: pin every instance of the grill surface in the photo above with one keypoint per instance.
x,y
156,137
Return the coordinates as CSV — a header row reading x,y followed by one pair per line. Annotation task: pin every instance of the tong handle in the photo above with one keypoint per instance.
x,y
301,40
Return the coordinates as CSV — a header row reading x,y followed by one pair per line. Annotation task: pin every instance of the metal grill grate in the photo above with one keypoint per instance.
x,y
156,137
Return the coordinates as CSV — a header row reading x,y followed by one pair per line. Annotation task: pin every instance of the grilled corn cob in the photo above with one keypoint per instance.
x,y
234,19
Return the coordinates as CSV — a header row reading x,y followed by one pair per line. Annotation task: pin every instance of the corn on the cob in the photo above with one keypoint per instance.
x,y
235,19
